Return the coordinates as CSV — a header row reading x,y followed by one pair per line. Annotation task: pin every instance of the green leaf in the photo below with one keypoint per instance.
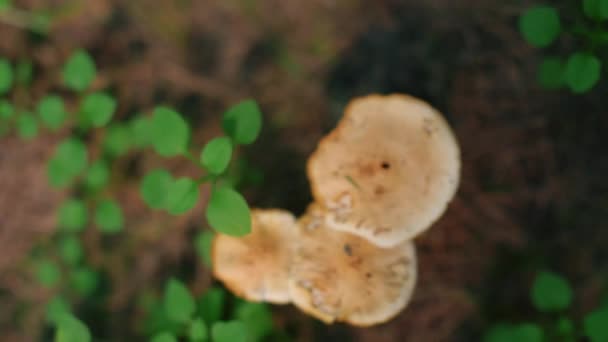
x,y
108,217
197,331
24,71
52,111
216,155
155,187
57,308
79,71
69,160
71,329
211,305
228,213
183,195
70,250
5,4
141,128
72,215
202,244
231,331
179,303
540,25
243,122
84,281
98,175
596,9
595,325
27,126
117,140
551,292
164,337
565,328
97,109
526,332
6,109
6,76
257,318
582,72
551,73
170,132
47,273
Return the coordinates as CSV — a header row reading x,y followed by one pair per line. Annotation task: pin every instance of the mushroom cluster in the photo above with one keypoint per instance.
x,y
379,179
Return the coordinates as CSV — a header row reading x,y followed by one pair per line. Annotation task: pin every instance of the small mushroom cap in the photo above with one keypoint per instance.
x,y
256,266
388,170
339,276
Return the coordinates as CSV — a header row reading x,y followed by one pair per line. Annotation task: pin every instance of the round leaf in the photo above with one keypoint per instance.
x,y
540,25
69,160
84,281
211,305
27,126
257,318
79,71
70,329
117,140
57,308
52,111
6,110
164,337
6,76
595,325
596,9
72,215
97,109
170,133
551,292
550,73
108,217
47,273
243,122
70,250
155,187
202,244
228,213
216,155
232,331
141,130
179,303
183,195
97,175
582,72
198,331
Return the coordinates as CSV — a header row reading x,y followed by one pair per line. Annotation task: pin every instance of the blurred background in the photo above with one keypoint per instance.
x,y
533,197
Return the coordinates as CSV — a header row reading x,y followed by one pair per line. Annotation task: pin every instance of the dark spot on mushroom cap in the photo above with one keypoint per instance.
x,y
385,165
348,250
379,190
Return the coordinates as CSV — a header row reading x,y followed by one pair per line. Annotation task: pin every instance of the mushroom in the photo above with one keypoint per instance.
x,y
256,266
339,276
387,171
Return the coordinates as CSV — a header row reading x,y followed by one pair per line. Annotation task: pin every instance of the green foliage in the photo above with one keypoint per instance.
x,y
47,273
540,25
27,126
71,329
228,213
52,111
56,308
98,175
510,333
6,76
197,331
551,292
243,122
117,140
154,188
69,160
97,109
595,325
79,71
5,4
202,244
216,155
141,131
171,133
70,250
72,215
550,73
6,110
232,331
84,280
164,337
596,9
211,305
179,303
257,319
582,72
108,217
23,72
182,196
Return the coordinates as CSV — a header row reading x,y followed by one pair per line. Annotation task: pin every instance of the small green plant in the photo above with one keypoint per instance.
x,y
552,296
541,26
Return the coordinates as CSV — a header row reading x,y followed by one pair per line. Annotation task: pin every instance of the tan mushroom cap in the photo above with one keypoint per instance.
x,y
339,276
256,266
388,170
